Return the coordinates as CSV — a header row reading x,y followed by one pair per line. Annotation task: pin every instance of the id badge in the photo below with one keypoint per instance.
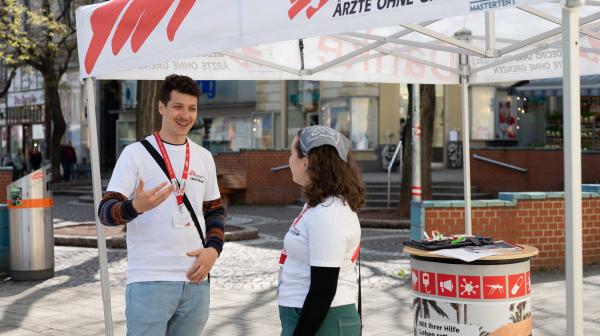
x,y
182,220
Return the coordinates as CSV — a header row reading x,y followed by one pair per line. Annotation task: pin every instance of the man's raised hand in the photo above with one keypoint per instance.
x,y
148,200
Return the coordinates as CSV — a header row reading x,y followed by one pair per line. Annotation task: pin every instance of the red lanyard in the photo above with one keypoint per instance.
x,y
179,189
300,216
283,255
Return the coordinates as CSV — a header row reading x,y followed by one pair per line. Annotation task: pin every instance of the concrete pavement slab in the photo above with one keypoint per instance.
x,y
243,295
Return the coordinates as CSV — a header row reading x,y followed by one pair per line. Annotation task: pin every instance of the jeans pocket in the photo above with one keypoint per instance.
x,y
151,302
349,326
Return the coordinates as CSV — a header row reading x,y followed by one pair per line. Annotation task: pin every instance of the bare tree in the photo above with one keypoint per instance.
x,y
6,77
147,118
427,101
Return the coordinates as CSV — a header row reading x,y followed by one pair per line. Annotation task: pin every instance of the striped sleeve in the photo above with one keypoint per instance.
x,y
214,217
115,209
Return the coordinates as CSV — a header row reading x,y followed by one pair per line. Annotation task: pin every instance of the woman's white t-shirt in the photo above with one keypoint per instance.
x,y
327,235
156,250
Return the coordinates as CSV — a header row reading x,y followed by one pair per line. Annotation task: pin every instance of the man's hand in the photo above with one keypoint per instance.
x,y
205,259
148,200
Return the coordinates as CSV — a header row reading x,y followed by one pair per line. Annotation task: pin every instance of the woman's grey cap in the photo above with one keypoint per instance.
x,y
315,136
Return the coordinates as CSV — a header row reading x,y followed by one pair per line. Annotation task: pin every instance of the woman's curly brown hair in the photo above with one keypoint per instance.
x,y
329,175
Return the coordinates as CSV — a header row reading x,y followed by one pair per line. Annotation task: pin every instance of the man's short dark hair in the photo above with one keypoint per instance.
x,y
179,83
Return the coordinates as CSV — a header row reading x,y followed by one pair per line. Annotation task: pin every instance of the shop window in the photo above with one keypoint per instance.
x,y
125,133
262,131
356,118
302,106
227,92
223,134
403,106
489,120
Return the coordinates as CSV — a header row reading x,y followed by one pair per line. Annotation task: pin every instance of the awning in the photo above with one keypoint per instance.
x,y
590,86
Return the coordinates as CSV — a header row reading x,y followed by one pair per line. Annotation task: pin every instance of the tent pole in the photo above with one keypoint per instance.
x,y
416,189
97,183
572,162
464,90
490,31
463,65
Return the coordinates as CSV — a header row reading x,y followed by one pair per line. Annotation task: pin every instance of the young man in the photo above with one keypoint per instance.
x,y
167,286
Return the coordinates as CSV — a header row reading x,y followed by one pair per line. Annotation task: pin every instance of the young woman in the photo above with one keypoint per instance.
x,y
318,279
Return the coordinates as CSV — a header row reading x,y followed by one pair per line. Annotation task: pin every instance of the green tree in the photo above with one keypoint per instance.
x,y
41,34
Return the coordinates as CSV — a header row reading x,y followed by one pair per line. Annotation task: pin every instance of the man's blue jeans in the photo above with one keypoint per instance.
x,y
173,308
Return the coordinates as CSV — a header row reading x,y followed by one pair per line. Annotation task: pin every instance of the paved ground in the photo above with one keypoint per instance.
x,y
243,293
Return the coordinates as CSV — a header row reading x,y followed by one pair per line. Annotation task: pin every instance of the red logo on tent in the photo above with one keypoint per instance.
x,y
299,5
446,285
494,287
138,21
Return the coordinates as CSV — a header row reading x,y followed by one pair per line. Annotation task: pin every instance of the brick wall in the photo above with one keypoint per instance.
x,y
262,185
5,180
232,163
535,219
266,187
545,170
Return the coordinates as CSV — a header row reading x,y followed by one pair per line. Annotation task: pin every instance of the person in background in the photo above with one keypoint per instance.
x,y
318,279
19,164
7,161
402,130
68,157
35,159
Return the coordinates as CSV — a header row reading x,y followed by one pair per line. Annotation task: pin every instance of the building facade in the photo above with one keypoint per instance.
x,y
266,115
23,123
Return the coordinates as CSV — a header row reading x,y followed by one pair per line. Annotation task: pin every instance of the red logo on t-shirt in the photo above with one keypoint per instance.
x,y
196,177
356,254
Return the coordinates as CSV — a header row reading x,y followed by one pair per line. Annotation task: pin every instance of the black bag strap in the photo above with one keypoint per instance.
x,y
161,163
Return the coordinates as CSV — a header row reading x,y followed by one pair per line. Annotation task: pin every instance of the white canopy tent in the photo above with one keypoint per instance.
x,y
401,41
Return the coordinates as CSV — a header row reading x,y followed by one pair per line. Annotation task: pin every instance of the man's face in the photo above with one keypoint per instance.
x,y
179,115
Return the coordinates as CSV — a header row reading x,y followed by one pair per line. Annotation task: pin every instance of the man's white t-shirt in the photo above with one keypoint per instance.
x,y
156,250
327,235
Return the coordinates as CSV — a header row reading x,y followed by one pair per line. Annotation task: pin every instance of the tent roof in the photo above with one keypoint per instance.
x,y
124,40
